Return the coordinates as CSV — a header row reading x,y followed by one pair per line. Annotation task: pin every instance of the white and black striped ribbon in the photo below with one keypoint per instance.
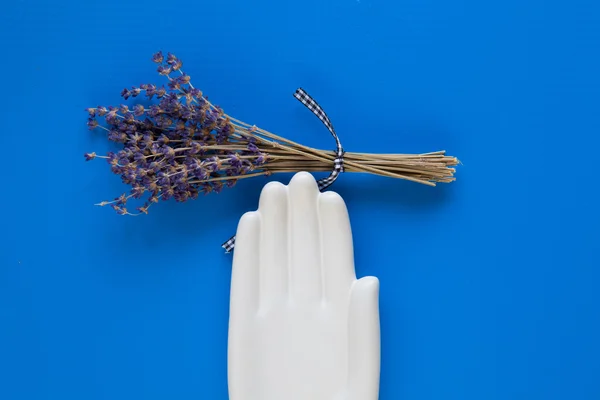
x,y
338,162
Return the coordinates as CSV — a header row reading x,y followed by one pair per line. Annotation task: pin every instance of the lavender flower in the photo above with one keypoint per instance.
x,y
92,123
184,79
158,57
160,92
150,91
164,70
252,148
138,110
182,145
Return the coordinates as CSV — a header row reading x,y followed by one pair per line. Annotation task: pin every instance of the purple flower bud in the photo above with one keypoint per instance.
x,y
196,147
220,138
210,119
163,139
171,100
121,200
167,194
111,118
260,159
168,152
114,135
101,111
247,167
148,125
252,148
152,186
89,156
133,139
174,62
135,91
161,121
249,139
181,185
196,93
228,128
188,112
119,210
214,164
234,160
161,92
142,173
139,157
174,85
128,178
190,162
184,79
201,173
180,127
138,110
137,191
155,148
131,127
158,57
125,93
92,124
162,70
150,91
183,196
217,186
91,111
190,130
154,111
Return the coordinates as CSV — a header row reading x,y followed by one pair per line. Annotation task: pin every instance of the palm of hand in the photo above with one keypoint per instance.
x,y
301,325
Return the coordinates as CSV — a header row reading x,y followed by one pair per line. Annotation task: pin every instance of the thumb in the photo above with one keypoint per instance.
x,y
364,340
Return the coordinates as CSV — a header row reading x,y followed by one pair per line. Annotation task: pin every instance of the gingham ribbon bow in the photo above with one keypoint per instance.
x,y
338,162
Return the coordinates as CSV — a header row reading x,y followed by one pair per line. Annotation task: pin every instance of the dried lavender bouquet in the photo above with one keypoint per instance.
x,y
184,145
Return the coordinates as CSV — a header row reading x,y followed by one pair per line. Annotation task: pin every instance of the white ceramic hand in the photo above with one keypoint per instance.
x,y
301,326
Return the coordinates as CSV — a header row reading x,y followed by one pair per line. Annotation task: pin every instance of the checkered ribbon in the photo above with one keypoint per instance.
x,y
338,162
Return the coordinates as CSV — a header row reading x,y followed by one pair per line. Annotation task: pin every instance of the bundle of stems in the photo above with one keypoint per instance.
x,y
287,156
184,145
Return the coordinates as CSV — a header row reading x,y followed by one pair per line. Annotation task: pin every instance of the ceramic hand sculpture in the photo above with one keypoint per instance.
x,y
301,326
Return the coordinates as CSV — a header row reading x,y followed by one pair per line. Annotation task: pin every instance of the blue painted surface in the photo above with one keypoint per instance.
x,y
489,286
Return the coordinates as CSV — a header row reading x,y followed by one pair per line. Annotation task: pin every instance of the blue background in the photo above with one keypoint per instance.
x,y
489,285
